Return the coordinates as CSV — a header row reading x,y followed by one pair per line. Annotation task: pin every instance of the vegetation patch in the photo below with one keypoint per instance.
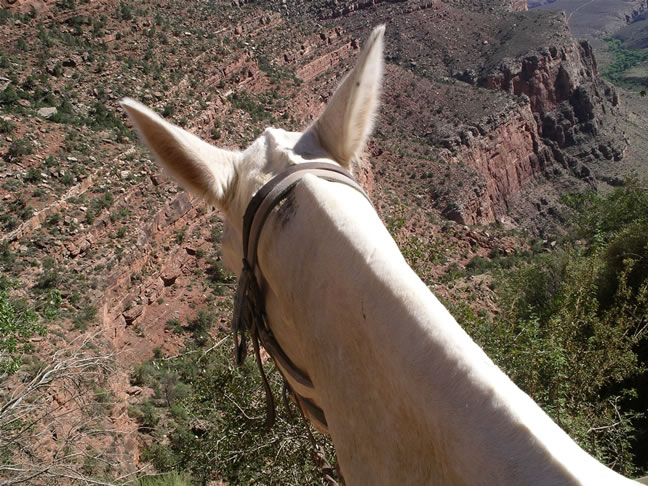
x,y
18,323
574,330
624,60
207,417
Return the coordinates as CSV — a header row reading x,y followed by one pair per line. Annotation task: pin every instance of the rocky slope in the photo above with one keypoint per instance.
x,y
595,18
556,99
489,114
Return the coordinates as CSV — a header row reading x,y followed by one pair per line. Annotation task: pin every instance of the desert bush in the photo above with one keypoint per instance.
x,y
8,97
17,210
50,276
17,325
84,317
119,214
33,175
102,118
200,326
66,4
168,110
5,14
217,430
174,325
598,218
67,179
125,11
6,126
64,113
7,260
97,205
247,103
218,276
19,148
21,44
180,235
8,221
50,304
146,415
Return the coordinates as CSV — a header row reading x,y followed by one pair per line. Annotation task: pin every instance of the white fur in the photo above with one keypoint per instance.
x,y
409,397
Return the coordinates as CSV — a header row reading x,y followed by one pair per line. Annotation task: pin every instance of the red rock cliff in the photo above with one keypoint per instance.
x,y
507,158
567,104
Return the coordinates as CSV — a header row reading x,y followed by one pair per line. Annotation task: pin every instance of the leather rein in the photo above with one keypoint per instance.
x,y
249,310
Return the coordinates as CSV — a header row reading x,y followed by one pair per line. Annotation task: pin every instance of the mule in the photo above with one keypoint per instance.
x,y
408,397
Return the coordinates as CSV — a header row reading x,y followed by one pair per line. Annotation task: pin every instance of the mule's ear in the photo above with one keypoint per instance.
x,y
201,168
345,125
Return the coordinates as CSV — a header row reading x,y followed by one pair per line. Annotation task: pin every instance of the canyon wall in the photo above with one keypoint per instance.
x,y
547,77
567,110
519,5
564,89
507,157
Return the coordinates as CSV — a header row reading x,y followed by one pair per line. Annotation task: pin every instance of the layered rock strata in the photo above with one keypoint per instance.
x,y
508,157
571,106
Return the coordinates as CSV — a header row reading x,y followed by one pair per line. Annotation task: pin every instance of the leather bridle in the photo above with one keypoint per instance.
x,y
249,309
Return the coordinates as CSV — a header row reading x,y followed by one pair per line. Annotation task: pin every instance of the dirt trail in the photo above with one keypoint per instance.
x,y
579,8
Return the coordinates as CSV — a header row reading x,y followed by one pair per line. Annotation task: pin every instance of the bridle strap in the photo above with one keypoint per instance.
x,y
273,192
249,311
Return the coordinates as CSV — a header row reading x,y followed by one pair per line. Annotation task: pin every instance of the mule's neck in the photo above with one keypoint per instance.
x,y
408,396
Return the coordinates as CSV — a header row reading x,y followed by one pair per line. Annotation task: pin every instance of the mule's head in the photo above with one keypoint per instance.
x,y
229,179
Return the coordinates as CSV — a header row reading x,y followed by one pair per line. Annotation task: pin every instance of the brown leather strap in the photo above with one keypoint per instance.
x,y
273,192
249,311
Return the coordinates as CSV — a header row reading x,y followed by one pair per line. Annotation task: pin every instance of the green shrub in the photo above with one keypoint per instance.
x,y
84,317
478,265
142,374
623,60
626,255
217,430
599,218
101,118
66,4
6,126
65,113
67,179
119,214
7,260
51,304
90,216
18,323
180,235
247,103
217,274
33,175
200,326
9,221
21,44
175,326
100,203
9,97
5,14
19,148
49,277
125,11
146,415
